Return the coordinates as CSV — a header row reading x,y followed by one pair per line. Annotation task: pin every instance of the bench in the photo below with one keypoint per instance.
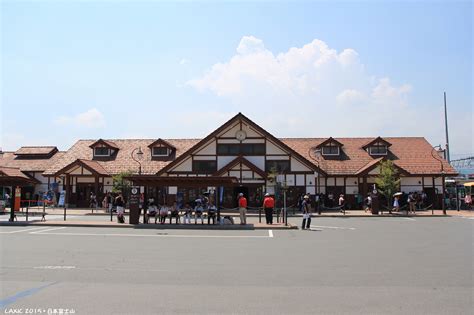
x,y
31,214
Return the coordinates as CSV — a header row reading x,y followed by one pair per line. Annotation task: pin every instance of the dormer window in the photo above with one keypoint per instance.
x,y
378,150
160,151
101,151
104,148
377,147
330,147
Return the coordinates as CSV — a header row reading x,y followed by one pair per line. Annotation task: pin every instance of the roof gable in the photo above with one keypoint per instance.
x,y
93,166
106,143
229,124
329,141
243,161
378,140
162,143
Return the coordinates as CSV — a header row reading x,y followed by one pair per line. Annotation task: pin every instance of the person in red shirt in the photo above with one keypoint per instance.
x,y
268,205
243,209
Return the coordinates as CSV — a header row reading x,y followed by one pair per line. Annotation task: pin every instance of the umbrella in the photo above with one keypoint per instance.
x,y
397,194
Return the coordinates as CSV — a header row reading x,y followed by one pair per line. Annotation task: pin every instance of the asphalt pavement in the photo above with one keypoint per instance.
x,y
342,266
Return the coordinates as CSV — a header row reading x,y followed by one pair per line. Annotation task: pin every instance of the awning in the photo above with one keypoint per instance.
x,y
155,180
471,184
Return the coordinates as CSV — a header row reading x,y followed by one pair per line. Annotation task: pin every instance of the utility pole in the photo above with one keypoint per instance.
x,y
446,128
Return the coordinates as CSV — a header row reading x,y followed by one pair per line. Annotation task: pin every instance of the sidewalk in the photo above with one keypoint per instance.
x,y
85,218
114,224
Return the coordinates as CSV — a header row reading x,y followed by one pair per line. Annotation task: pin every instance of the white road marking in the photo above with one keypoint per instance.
x,y
270,233
145,235
409,219
47,230
332,227
55,267
24,230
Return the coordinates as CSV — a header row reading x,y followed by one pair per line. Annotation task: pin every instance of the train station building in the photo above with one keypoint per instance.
x,y
239,156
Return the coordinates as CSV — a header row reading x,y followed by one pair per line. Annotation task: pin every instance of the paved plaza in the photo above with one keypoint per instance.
x,y
343,265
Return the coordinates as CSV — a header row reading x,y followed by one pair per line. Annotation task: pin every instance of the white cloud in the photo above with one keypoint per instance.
x,y
329,92
91,118
350,96
183,61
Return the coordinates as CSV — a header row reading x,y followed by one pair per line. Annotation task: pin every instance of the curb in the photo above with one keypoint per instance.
x,y
248,227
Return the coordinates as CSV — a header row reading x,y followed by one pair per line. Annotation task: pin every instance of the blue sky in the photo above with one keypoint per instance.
x,y
169,70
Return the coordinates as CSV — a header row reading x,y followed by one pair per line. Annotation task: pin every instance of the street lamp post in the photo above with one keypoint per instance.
x,y
138,158
316,183
436,157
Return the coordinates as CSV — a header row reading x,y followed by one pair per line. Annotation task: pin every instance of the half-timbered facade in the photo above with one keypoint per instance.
x,y
241,156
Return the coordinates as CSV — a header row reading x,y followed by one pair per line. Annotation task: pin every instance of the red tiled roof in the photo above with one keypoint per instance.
x,y
123,161
412,154
369,165
9,159
36,150
15,174
95,166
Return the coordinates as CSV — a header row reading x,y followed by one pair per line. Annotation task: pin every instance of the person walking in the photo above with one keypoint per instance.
x,y
412,203
243,209
396,204
341,202
368,203
306,208
268,205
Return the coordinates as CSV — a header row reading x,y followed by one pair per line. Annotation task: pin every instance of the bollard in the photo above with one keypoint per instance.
x,y
27,213
260,215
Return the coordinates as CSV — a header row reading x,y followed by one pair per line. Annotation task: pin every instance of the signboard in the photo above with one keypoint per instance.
x,y
62,198
17,198
134,204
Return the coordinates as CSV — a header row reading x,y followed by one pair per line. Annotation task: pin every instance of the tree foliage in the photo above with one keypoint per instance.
x,y
388,181
120,184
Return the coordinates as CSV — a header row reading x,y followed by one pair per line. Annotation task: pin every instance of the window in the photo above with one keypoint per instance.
x,y
330,149
280,166
241,149
228,149
378,150
253,149
160,151
101,151
205,167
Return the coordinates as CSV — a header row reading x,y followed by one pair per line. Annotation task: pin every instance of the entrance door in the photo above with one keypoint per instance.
x,y
83,193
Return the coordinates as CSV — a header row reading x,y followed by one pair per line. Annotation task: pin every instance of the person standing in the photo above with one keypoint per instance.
x,y
120,203
368,203
268,205
243,209
306,208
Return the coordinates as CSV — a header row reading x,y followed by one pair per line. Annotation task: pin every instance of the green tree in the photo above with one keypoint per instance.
x,y
120,184
388,181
